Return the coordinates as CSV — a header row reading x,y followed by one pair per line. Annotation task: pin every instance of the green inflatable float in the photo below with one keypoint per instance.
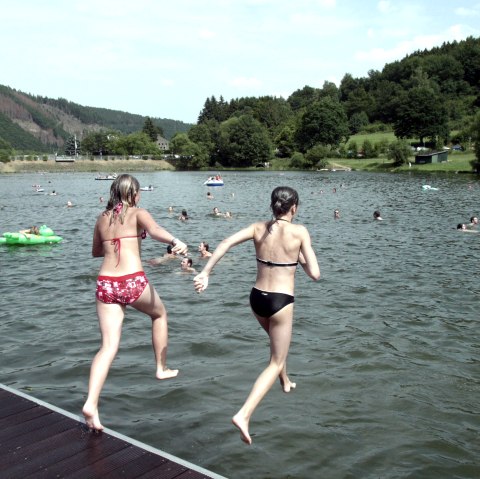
x,y
45,236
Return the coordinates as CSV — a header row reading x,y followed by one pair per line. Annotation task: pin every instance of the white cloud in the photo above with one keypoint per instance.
x,y
384,6
473,11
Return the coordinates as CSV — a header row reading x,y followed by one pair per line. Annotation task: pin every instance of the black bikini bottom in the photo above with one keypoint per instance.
x,y
266,304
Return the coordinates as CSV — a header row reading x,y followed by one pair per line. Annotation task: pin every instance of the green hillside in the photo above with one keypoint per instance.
x,y
39,124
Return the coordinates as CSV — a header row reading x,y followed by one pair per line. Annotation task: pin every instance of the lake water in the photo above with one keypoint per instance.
x,y
385,350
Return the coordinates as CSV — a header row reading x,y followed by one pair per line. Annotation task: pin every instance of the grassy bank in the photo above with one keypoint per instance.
x,y
457,163
86,166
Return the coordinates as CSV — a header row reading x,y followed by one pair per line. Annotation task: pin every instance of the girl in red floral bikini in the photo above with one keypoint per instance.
x,y
117,238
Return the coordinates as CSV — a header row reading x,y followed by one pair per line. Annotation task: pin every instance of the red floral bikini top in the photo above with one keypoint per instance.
x,y
117,242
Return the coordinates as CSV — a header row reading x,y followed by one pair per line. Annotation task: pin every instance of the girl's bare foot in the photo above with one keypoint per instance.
x,y
287,385
242,425
92,420
166,373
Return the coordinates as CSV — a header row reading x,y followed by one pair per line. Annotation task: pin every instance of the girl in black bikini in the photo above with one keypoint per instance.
x,y
280,246
117,238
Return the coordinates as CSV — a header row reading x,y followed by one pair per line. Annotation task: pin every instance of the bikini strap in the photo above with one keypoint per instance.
x,y
117,243
271,263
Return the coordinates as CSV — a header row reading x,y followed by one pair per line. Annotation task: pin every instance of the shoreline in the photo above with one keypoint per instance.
x,y
84,166
460,164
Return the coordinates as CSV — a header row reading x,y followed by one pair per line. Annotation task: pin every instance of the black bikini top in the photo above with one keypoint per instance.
x,y
271,263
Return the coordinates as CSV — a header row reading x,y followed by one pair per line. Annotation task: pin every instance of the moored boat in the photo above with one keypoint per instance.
x,y
106,177
214,181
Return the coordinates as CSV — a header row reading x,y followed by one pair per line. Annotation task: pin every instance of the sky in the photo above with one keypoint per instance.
x,y
163,59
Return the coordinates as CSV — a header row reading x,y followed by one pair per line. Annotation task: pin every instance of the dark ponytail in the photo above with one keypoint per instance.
x,y
283,198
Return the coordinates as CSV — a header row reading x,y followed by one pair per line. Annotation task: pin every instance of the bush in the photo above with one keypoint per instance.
x,y
317,156
352,149
376,127
368,149
399,152
4,156
297,160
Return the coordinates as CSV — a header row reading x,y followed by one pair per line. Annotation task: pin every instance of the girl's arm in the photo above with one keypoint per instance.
x,y
307,257
97,244
158,233
201,280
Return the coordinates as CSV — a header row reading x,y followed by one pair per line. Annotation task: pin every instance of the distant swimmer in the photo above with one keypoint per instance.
x,y
203,248
33,230
187,266
184,216
377,216
166,257
463,228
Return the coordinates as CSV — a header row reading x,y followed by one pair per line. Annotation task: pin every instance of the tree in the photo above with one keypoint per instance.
x,y
192,155
243,141
475,136
329,89
357,122
206,135
399,152
421,113
317,156
285,142
96,143
324,122
134,144
152,130
301,98
214,110
72,146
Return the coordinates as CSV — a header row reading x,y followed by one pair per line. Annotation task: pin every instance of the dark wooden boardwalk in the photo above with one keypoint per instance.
x,y
38,440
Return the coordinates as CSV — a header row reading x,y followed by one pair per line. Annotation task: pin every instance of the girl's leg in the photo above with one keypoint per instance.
x,y
287,385
280,332
150,303
110,317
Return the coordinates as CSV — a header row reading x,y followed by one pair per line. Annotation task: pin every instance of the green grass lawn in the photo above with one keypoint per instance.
x,y
377,137
457,162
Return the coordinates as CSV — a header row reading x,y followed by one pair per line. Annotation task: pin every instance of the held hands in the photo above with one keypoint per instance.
x,y
200,282
180,248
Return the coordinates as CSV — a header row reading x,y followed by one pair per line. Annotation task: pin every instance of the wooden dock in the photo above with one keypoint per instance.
x,y
39,440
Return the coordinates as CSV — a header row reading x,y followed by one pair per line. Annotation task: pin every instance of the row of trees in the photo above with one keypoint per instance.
x,y
111,142
425,96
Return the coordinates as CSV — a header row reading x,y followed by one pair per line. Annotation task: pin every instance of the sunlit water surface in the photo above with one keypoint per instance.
x,y
385,351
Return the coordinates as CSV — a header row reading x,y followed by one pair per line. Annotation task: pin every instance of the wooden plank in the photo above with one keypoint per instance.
x,y
39,440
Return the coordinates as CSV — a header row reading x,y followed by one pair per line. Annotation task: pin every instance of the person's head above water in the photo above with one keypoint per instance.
x,y
282,199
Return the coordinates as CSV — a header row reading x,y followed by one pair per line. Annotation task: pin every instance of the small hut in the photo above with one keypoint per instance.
x,y
432,157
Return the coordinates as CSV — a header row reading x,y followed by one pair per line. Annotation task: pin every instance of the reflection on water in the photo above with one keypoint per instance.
x,y
385,350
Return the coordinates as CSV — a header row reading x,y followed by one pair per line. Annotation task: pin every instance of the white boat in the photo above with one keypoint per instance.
x,y
146,188
106,177
214,181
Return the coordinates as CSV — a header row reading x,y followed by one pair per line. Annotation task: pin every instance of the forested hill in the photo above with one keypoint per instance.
x,y
40,124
